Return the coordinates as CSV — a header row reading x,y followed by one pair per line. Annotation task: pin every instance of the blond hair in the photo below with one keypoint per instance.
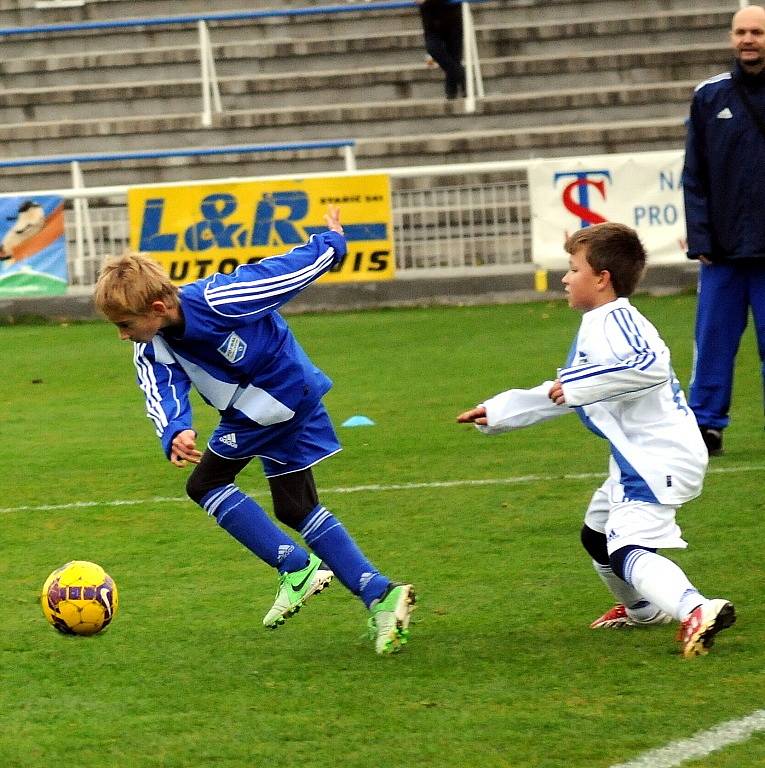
x,y
128,284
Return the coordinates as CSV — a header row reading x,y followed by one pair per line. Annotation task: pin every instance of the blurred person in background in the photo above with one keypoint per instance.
x,y
442,27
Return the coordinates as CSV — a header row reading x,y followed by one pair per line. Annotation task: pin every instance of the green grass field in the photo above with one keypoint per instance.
x,y
502,669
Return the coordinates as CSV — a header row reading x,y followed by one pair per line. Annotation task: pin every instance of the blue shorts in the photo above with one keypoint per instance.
x,y
293,445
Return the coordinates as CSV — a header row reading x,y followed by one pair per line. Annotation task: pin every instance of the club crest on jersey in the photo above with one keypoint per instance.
x,y
233,348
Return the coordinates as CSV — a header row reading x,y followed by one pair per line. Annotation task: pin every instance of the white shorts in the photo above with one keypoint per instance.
x,y
636,523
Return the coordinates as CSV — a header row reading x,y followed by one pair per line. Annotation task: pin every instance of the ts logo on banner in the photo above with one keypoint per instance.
x,y
576,193
640,189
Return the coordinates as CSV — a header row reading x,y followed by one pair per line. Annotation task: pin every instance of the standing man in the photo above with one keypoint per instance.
x,y
442,27
724,189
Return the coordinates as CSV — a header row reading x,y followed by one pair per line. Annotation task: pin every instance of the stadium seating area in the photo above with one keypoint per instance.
x,y
562,77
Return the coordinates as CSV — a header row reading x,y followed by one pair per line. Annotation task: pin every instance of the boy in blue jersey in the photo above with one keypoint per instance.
x,y
224,336
620,382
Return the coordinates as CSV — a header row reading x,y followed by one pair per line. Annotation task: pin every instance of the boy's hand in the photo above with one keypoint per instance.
x,y
184,448
332,218
475,415
556,393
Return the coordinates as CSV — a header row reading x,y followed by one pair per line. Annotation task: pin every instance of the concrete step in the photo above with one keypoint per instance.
x,y
553,140
557,140
155,60
26,13
562,78
384,83
357,24
348,120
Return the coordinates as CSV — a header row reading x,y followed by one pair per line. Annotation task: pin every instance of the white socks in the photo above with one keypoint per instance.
x,y
662,582
623,592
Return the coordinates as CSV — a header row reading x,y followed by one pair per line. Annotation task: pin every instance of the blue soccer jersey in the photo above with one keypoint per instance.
x,y
236,349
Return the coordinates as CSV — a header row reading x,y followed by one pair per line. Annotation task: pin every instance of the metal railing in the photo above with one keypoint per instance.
x,y
461,219
82,215
462,228
211,100
447,229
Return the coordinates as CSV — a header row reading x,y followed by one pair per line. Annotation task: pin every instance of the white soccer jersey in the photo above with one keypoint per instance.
x,y
619,379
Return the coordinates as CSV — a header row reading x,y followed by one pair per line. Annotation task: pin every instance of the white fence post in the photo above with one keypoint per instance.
x,y
210,89
473,42
350,158
473,78
82,226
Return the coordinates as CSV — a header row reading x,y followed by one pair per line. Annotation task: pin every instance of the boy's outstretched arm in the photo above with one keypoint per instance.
x,y
513,409
253,290
475,415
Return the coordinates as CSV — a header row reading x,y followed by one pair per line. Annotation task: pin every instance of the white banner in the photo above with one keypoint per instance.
x,y
642,190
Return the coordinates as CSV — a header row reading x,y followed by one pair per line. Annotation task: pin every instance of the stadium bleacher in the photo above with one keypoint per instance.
x,y
561,78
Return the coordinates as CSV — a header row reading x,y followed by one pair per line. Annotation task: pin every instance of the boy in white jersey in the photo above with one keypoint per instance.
x,y
224,336
620,382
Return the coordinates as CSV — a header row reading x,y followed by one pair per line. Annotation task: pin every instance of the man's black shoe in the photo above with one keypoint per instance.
x,y
713,440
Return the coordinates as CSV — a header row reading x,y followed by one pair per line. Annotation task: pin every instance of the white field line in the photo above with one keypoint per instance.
x,y
362,489
701,744
673,754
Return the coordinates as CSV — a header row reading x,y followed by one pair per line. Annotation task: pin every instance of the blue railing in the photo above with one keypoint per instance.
x,y
95,157
211,101
194,18
210,92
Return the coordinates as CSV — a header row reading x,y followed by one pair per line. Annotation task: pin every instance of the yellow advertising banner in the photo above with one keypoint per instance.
x,y
196,230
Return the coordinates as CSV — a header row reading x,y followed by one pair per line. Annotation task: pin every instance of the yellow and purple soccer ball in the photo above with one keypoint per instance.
x,y
79,598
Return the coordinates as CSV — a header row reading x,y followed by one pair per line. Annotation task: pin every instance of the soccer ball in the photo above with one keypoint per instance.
x,y
79,598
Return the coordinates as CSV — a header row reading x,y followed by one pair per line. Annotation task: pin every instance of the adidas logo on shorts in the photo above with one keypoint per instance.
x,y
229,439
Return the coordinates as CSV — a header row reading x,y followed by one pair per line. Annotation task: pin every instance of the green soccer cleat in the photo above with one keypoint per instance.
x,y
295,588
389,618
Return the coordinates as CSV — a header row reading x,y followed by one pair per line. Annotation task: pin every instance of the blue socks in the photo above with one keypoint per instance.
x,y
327,537
245,520
248,523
